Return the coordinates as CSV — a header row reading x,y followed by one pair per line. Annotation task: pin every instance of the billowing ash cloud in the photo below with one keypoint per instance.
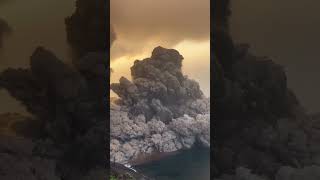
x,y
87,27
164,23
258,121
5,29
293,43
68,102
158,87
160,110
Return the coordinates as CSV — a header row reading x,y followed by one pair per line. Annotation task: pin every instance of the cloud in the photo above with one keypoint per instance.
x,y
141,23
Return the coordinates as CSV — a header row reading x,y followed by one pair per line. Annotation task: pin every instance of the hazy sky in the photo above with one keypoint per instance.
x,y
288,32
141,25
34,23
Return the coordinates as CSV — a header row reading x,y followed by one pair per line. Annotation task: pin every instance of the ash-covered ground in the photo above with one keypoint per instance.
x,y
159,111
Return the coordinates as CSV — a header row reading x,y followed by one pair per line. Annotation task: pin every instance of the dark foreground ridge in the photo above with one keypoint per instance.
x,y
260,129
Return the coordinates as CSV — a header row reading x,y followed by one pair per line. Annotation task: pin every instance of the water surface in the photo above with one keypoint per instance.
x,y
191,164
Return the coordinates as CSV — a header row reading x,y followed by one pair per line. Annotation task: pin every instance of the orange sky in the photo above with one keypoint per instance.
x,y
141,25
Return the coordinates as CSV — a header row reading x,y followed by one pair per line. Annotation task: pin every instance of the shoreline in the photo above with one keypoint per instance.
x,y
144,159
195,162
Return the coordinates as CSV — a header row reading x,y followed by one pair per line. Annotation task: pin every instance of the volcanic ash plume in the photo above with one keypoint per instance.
x,y
87,27
160,110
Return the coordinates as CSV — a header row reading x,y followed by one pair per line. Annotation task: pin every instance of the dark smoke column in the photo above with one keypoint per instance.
x,y
258,122
87,28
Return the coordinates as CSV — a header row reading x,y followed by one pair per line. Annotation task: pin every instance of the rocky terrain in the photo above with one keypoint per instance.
x,y
160,110
260,129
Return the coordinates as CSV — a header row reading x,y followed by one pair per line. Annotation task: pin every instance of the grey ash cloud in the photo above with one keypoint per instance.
x,y
160,78
292,41
160,110
67,102
258,121
87,26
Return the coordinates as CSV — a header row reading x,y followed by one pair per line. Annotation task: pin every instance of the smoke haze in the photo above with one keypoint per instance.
x,y
287,31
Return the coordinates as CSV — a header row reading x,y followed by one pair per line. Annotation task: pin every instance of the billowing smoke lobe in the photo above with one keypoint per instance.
x,y
159,111
293,42
158,77
66,105
87,27
5,30
260,129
